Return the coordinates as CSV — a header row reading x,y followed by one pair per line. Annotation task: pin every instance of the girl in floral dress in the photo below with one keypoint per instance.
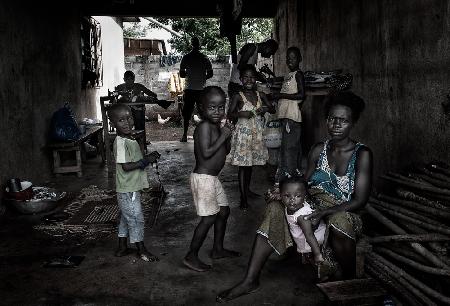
x,y
247,147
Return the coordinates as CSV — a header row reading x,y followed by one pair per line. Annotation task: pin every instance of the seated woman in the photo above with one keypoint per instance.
x,y
339,175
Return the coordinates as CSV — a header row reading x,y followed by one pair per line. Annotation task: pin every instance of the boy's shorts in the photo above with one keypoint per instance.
x,y
208,194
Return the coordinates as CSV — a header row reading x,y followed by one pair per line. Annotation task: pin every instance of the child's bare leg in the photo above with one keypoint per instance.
x,y
220,226
306,227
244,183
191,260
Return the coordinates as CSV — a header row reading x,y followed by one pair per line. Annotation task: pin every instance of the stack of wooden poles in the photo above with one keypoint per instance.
x,y
410,242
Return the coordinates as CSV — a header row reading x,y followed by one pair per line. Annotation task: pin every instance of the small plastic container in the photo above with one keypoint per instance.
x,y
25,193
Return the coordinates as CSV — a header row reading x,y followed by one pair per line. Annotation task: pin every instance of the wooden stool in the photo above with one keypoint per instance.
x,y
58,169
75,146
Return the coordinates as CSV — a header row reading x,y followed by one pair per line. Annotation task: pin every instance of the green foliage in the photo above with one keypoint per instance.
x,y
208,31
136,30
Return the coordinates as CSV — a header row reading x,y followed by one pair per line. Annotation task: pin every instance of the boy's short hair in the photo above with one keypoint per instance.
x,y
129,74
113,109
273,44
207,91
292,179
296,51
346,98
247,67
195,42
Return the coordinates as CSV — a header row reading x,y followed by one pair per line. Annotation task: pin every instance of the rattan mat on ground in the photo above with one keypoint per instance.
x,y
94,213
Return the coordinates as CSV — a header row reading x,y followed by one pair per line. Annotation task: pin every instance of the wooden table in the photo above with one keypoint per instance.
x,y
76,146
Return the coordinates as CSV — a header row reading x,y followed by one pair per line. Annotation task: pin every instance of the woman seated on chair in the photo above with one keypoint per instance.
x,y
339,176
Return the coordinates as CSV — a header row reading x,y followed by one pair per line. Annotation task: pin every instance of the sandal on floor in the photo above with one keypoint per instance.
x,y
148,258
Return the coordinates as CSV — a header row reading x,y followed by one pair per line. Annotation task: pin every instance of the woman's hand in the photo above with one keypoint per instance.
x,y
315,218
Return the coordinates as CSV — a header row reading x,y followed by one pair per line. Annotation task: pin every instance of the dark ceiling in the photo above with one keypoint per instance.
x,y
173,8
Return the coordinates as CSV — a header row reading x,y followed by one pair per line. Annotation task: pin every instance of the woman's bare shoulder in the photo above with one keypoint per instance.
x,y
317,148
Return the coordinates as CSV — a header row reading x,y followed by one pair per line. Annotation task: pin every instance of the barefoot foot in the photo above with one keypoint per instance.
x,y
237,291
194,263
217,254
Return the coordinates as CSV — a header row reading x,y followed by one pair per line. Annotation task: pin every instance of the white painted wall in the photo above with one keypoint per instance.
x,y
112,54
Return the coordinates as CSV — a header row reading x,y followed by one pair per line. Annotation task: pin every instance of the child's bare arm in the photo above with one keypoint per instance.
x,y
308,231
267,106
141,164
131,166
234,113
228,145
299,95
233,108
208,148
306,227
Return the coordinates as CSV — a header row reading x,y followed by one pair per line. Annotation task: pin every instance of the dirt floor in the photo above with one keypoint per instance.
x,y
171,131
102,279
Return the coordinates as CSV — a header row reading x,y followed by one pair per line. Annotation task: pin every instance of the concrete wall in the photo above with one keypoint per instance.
x,y
39,70
149,72
399,55
112,55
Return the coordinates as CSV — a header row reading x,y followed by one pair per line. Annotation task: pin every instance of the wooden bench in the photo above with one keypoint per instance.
x,y
76,146
366,291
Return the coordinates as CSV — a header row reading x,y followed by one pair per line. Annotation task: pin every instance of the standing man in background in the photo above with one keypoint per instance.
x,y
248,54
196,68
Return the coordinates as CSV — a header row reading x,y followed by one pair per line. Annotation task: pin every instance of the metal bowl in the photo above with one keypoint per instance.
x,y
35,206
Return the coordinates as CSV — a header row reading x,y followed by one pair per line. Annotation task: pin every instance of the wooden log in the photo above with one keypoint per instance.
x,y
432,227
407,251
432,181
387,270
443,212
405,211
409,195
434,175
413,228
408,179
398,230
393,285
404,181
445,171
408,238
401,273
413,264
444,199
436,182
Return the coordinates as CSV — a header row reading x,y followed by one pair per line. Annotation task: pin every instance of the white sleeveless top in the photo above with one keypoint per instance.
x,y
297,233
234,75
288,109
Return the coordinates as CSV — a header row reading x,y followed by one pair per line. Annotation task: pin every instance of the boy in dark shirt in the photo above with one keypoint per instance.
x,y
211,146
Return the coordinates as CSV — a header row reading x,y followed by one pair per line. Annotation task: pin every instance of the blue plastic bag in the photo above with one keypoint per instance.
x,y
63,126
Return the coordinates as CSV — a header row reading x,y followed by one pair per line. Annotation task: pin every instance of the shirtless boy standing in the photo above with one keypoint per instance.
x,y
211,146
